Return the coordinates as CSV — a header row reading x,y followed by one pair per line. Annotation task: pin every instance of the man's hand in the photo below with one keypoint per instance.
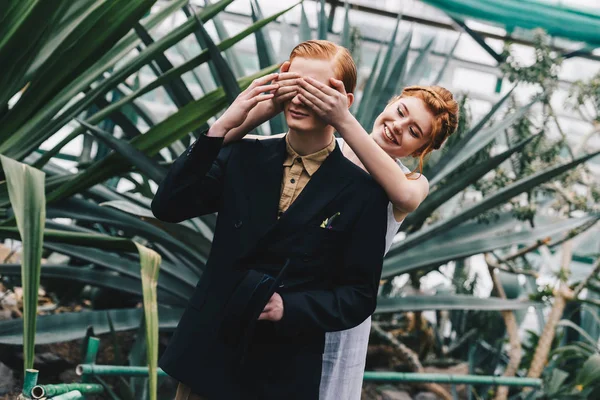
x,y
260,90
273,311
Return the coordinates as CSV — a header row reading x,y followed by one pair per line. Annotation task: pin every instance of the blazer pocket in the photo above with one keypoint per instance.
x,y
317,239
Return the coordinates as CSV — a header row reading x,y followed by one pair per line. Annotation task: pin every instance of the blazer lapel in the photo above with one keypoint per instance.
x,y
265,191
263,188
323,186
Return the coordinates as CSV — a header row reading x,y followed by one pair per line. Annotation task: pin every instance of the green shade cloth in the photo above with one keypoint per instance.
x,y
570,23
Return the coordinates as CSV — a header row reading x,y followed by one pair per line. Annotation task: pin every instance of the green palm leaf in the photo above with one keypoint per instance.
x,y
70,326
322,18
444,193
458,147
346,28
150,263
226,77
24,26
138,159
266,57
468,240
173,128
448,302
83,46
26,192
496,199
305,31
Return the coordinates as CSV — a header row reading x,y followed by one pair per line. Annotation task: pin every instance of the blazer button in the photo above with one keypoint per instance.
x,y
238,224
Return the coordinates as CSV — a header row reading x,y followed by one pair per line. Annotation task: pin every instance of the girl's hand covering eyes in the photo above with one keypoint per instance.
x,y
261,89
329,103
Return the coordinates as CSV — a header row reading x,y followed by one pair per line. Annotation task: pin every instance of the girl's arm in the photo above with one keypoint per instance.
x,y
332,105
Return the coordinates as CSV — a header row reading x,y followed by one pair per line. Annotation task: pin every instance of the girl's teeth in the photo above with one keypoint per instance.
x,y
387,133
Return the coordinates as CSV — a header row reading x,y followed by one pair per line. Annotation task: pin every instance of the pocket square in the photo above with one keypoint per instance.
x,y
328,222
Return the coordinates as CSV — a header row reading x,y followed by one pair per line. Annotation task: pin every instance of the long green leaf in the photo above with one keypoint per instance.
x,y
460,242
266,57
82,210
28,200
419,66
93,240
322,18
230,55
70,326
150,264
370,112
17,147
449,302
480,140
458,147
226,77
184,231
97,278
86,44
173,128
589,374
346,28
22,35
176,88
447,59
446,192
496,199
138,159
174,278
395,78
584,334
368,90
41,126
304,30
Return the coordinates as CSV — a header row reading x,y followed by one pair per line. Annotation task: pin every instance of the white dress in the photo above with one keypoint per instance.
x,y
345,352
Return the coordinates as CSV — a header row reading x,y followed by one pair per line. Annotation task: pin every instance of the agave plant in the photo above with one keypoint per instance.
x,y
105,43
43,98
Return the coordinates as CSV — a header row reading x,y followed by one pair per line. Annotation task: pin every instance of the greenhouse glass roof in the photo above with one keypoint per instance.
x,y
576,24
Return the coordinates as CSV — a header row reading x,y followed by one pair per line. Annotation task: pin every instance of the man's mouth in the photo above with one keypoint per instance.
x,y
297,114
388,135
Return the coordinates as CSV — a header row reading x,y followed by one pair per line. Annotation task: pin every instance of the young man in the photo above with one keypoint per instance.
x,y
297,250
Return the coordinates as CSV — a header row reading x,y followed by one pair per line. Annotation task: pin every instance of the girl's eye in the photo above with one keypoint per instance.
x,y
400,112
412,132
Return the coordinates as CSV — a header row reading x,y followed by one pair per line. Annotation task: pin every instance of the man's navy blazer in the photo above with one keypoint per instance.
x,y
330,283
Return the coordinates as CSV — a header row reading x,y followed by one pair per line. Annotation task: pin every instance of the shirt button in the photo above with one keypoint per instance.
x,y
238,224
293,180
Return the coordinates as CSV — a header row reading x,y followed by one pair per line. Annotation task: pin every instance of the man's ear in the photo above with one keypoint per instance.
x,y
285,67
350,99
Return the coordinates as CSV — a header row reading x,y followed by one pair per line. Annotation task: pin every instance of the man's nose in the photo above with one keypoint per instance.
x,y
296,101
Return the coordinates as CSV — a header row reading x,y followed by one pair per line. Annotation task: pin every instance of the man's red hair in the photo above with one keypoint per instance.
x,y
343,64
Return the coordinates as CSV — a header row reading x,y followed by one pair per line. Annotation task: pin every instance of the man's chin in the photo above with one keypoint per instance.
x,y
298,126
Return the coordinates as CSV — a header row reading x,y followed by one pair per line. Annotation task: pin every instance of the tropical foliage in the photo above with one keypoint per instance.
x,y
491,187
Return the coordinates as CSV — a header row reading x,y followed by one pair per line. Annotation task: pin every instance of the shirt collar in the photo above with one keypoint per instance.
x,y
311,162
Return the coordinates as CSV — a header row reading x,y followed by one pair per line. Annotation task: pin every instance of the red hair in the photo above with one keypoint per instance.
x,y
343,64
440,102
